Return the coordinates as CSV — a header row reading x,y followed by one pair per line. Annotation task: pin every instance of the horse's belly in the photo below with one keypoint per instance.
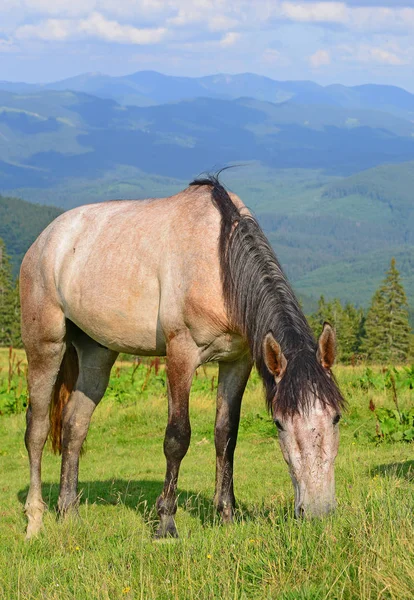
x,y
119,320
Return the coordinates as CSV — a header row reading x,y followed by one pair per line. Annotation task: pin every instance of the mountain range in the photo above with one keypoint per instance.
x,y
329,171
147,88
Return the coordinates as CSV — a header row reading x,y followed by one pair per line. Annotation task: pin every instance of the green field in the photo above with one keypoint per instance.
x,y
365,550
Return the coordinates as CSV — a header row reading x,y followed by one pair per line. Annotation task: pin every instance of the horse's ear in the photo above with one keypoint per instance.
x,y
274,358
327,346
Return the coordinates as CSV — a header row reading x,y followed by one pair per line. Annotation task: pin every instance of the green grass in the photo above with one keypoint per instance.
x,y
365,550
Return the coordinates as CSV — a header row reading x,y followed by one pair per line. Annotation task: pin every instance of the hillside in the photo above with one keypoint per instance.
x,y
50,138
392,185
356,278
20,224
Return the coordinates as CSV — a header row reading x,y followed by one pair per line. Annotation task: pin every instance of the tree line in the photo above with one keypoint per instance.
x,y
381,334
9,302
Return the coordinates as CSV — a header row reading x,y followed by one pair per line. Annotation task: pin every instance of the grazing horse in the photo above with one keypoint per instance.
x,y
193,278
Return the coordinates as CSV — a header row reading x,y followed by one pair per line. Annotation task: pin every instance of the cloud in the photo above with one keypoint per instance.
x,y
365,53
52,29
271,56
356,18
63,8
229,39
203,16
7,46
281,38
320,58
317,12
95,26
384,56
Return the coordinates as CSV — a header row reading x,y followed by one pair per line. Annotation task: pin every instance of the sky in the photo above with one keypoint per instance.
x,y
349,42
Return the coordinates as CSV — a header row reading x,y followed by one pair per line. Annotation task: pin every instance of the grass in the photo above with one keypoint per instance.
x,y
363,551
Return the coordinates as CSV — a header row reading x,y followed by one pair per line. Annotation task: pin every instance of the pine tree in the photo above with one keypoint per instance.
x,y
15,333
9,302
350,332
387,327
347,322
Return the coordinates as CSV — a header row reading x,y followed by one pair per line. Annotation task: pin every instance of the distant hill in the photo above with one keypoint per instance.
x,y
50,137
20,224
356,278
392,185
146,88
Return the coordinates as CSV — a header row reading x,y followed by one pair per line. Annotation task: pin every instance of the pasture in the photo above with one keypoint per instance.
x,y
365,550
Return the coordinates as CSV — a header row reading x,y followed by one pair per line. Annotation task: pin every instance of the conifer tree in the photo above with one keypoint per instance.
x,y
15,333
9,302
347,321
387,327
350,332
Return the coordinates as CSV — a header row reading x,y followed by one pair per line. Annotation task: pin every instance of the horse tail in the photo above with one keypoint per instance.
x,y
65,384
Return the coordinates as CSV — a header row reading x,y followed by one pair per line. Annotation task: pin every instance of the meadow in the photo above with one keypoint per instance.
x,y
365,550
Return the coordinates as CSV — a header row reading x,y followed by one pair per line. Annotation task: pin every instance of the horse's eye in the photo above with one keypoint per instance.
x,y
278,424
336,419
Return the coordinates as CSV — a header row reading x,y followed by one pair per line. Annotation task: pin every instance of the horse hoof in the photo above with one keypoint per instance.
x,y
67,511
227,516
167,530
33,530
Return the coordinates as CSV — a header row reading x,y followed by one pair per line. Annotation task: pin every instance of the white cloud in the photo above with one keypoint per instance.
x,y
52,29
95,26
323,12
229,39
271,56
7,46
226,34
382,19
61,8
211,15
384,56
358,18
320,58
365,53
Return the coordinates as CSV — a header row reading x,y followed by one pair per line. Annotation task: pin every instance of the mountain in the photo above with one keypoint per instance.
x,y
147,88
48,137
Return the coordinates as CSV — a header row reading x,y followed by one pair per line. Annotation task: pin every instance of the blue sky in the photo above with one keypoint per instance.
x,y
350,42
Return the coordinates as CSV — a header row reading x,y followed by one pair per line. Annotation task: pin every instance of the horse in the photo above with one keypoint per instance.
x,y
191,277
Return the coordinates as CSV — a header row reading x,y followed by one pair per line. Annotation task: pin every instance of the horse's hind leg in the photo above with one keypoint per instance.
x,y
44,360
95,363
232,381
182,360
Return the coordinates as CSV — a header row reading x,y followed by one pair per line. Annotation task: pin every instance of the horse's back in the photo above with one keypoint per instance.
x,y
126,272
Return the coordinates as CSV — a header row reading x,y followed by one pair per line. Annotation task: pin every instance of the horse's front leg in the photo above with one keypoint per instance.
x,y
232,381
182,360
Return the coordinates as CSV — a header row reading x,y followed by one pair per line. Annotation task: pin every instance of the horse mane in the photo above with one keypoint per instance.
x,y
259,300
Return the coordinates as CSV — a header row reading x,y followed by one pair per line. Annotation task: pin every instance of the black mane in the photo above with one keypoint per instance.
x,y
259,300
